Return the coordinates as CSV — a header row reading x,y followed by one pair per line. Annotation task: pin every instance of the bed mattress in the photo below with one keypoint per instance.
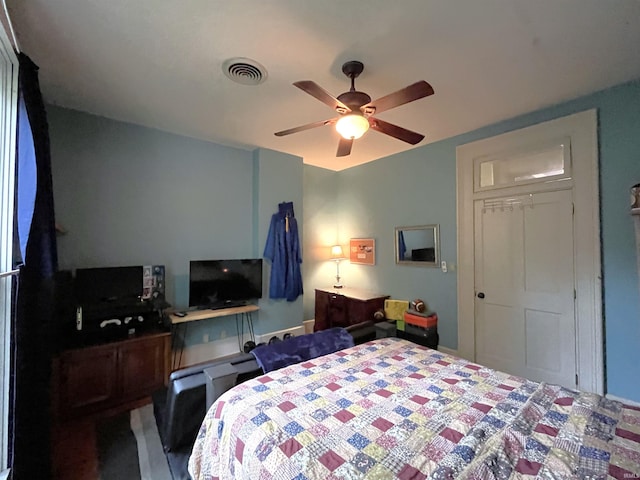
x,y
393,409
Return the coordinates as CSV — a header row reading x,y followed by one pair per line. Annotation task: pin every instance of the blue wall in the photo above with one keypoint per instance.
x,y
130,195
418,187
278,179
320,232
620,169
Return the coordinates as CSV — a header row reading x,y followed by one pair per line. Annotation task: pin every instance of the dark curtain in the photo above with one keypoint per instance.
x,y
32,333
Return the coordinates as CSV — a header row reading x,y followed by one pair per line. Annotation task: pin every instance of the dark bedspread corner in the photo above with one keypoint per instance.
x,y
298,349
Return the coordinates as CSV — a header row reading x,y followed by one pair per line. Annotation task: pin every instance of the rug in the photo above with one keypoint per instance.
x,y
129,447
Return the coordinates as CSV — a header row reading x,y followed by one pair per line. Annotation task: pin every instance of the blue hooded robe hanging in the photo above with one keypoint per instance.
x,y
283,250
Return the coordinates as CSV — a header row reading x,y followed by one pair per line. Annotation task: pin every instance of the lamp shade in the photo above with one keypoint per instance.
x,y
336,252
352,126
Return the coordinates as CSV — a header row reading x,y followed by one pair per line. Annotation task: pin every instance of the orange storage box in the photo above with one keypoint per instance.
x,y
422,320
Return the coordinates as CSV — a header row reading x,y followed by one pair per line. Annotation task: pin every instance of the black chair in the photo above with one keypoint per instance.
x,y
180,408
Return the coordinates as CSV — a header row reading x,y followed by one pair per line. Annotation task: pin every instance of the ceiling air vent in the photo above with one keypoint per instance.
x,y
244,71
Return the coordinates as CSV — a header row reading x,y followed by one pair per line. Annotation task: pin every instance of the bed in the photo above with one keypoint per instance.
x,y
392,409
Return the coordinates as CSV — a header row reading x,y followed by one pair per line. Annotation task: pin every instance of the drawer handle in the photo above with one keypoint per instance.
x,y
115,321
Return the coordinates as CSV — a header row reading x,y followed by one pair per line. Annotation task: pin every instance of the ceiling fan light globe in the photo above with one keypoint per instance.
x,y
352,126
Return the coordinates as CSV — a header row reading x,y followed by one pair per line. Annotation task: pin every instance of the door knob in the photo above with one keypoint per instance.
x,y
480,295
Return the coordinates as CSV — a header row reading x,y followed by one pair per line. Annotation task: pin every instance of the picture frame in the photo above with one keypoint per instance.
x,y
362,251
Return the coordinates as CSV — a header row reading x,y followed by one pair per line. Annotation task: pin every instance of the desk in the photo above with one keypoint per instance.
x,y
181,323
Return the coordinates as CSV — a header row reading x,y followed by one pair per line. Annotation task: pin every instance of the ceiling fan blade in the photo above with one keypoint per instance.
x,y
395,131
408,94
308,126
315,90
344,147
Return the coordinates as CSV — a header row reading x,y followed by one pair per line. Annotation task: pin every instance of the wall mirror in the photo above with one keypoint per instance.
x,y
418,245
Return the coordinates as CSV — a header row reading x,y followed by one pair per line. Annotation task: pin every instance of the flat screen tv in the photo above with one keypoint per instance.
x,y
224,283
112,285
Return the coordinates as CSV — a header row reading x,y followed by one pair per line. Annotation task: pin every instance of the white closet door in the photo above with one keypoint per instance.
x,y
524,277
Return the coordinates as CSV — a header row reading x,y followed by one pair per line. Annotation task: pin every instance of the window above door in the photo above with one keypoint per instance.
x,y
550,162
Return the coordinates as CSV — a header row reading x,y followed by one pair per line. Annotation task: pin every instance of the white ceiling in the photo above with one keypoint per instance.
x,y
158,62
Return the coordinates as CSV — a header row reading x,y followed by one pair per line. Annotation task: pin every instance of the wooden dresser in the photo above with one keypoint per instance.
x,y
342,307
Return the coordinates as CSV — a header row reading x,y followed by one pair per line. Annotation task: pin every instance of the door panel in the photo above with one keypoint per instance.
x,y
525,323
500,277
548,258
321,311
496,332
142,364
542,335
338,311
89,377
499,334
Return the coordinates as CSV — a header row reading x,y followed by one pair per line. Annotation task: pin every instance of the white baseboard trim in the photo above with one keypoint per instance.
x,y
623,400
295,331
448,351
308,325
205,352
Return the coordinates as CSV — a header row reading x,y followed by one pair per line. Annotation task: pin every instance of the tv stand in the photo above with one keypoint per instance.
x,y
241,313
92,379
223,305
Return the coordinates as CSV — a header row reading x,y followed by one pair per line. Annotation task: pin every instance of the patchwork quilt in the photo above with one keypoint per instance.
x,y
393,409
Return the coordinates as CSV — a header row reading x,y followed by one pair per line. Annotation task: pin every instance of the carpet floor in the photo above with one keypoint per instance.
x,y
129,447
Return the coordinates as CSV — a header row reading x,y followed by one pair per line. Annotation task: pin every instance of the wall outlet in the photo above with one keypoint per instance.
x,y
443,266
205,338
223,334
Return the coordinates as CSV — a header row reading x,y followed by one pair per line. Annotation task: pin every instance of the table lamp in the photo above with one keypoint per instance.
x,y
337,256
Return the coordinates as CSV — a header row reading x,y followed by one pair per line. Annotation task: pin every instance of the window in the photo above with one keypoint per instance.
x,y
8,101
549,163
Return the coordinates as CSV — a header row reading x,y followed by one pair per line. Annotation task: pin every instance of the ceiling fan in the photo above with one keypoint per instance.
x,y
356,110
